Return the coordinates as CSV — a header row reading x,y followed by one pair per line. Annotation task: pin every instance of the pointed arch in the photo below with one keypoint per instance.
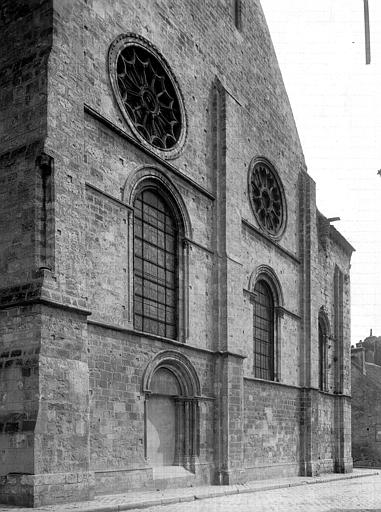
x,y
323,336
324,320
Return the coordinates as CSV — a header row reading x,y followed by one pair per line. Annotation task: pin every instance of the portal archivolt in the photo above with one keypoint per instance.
x,y
172,390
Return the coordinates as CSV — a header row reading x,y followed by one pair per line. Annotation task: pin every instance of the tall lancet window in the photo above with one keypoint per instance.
x,y
155,265
322,355
263,329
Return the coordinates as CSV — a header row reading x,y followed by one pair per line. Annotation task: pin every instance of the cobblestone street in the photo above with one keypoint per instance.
x,y
357,491
362,494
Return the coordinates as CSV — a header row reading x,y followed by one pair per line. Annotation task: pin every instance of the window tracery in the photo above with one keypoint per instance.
x,y
267,198
147,93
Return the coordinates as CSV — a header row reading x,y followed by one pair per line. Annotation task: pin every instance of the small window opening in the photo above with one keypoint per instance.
x,y
238,14
322,357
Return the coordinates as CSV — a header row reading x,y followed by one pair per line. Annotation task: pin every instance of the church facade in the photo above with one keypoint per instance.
x,y
174,310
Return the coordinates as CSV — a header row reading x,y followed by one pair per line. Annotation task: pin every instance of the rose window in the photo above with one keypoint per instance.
x,y
266,196
147,93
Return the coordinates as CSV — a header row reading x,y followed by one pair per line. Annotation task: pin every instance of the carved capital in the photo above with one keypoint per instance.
x,y
279,311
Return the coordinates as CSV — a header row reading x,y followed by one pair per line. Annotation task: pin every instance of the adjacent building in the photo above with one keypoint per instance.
x,y
366,404
173,308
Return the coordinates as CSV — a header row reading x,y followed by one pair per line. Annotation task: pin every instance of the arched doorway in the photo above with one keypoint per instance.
x,y
161,418
172,390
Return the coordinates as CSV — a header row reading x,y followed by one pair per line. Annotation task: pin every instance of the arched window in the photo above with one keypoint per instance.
x,y
322,354
263,330
155,264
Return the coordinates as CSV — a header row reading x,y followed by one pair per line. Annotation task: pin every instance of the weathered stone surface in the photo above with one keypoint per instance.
x,y
74,372
366,408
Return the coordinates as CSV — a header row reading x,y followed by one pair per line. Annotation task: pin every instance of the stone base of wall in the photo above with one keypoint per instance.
x,y
123,480
344,465
169,477
321,466
314,468
230,477
263,472
45,489
366,463
135,479
325,466
204,473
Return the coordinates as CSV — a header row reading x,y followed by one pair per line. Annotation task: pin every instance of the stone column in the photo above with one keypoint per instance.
x,y
195,432
309,396
179,438
343,459
187,444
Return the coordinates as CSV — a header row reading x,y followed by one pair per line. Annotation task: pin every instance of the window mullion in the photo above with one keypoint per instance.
x,y
159,260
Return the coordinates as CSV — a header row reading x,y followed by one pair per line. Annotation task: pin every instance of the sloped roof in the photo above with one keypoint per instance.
x,y
373,372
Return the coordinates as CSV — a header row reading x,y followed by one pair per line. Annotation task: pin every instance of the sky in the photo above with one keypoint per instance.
x,y
336,101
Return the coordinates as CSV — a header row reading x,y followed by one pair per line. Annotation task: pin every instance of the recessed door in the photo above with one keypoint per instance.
x,y
161,430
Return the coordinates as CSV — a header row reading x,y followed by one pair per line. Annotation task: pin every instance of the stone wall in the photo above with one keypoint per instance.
x,y
366,414
71,166
117,361
326,450
19,383
272,429
26,44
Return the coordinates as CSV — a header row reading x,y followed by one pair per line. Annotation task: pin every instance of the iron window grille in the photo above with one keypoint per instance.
x,y
263,329
155,265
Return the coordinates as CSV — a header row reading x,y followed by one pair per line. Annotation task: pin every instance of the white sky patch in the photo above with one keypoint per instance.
x,y
336,101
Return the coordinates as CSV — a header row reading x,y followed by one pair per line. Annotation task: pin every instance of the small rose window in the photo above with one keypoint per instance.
x,y
147,93
267,198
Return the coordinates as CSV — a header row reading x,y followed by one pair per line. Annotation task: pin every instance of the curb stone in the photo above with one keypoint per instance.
x,y
197,494
186,498
238,489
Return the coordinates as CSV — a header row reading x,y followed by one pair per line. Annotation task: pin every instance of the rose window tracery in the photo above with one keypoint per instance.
x,y
147,93
267,199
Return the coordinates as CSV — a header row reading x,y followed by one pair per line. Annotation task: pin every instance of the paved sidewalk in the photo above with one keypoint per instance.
x,y
145,499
